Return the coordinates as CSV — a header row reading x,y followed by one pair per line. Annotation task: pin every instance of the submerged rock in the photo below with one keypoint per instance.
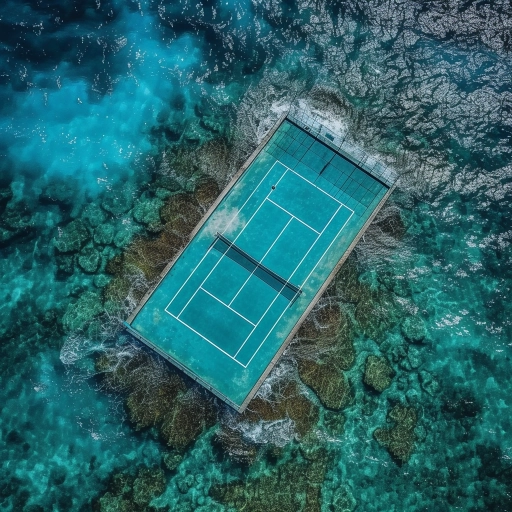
x,y
172,460
72,237
378,373
399,440
119,201
181,213
5,196
334,423
58,193
104,234
291,487
191,415
327,381
147,212
94,215
81,312
148,484
65,265
287,402
15,222
89,259
206,191
413,328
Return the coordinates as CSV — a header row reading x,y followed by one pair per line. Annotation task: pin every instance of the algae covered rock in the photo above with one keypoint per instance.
x,y
283,405
150,408
110,503
326,335
181,213
72,237
172,460
378,373
190,416
128,493
413,329
291,487
81,312
206,191
148,484
286,402
399,440
151,256
327,381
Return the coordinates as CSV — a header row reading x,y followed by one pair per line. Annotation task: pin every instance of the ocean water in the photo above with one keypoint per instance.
x,y
110,108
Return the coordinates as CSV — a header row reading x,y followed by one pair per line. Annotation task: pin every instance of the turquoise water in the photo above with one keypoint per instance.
x,y
110,109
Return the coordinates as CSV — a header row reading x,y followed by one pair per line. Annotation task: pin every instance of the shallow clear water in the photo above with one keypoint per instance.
x,y
93,95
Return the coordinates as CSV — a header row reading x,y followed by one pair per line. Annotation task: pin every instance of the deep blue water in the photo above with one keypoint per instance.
x,y
94,96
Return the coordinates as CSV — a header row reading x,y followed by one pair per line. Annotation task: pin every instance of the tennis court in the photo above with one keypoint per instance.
x,y
225,309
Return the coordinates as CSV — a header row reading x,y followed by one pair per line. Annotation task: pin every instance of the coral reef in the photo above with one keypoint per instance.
x,y
327,381
290,487
285,402
399,439
231,441
413,329
127,493
190,416
147,211
378,373
181,213
326,335
157,396
81,312
72,237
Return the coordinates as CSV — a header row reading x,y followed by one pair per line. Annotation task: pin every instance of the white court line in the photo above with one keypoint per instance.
x,y
206,339
257,187
288,280
284,311
291,215
328,247
234,217
222,257
295,270
261,261
226,305
313,185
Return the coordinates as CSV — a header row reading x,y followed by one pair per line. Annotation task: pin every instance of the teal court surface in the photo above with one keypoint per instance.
x,y
226,308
